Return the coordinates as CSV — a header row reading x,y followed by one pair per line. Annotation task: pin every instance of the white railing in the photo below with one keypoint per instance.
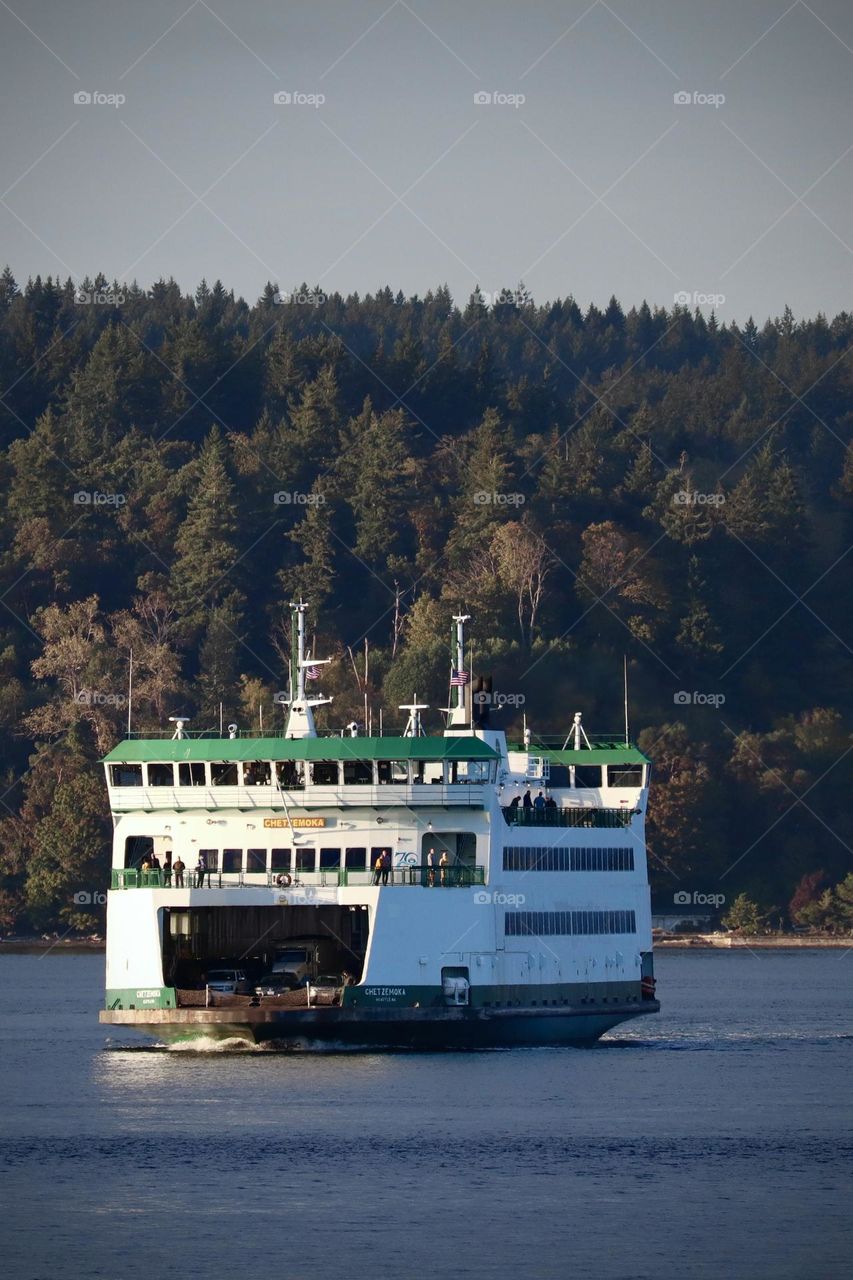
x,y
416,795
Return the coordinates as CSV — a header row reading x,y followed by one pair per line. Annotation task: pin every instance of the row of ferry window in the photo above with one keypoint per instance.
x,y
539,924
259,861
292,775
584,776
577,858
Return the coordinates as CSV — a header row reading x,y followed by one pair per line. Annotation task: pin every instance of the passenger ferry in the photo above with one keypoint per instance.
x,y
394,891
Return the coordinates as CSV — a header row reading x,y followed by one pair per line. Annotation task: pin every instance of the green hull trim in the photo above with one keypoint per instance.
x,y
141,998
529,996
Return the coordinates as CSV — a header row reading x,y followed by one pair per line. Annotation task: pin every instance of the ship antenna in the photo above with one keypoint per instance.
x,y
625,679
129,690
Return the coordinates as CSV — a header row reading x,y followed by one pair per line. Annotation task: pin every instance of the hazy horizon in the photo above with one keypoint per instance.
x,y
382,169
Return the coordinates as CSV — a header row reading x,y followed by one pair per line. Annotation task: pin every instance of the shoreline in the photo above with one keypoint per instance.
x,y
681,942
24,946
727,941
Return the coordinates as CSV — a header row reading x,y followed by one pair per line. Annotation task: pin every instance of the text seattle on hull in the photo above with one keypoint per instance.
x,y
393,891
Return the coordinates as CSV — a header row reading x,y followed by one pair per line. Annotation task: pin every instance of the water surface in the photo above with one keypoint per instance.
x,y
714,1139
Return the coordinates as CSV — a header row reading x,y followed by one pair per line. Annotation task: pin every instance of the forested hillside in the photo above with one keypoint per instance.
x,y
588,485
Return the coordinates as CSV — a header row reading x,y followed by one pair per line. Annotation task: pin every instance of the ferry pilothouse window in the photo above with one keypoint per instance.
x,y
330,859
324,773
211,858
191,775
256,774
358,773
232,860
394,772
126,775
161,775
356,859
224,773
305,859
558,776
587,775
624,775
279,860
473,771
256,860
290,775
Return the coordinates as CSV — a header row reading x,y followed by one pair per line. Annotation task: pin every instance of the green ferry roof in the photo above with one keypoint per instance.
x,y
216,749
598,755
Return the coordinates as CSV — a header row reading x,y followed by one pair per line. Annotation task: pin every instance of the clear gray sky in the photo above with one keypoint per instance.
x,y
598,183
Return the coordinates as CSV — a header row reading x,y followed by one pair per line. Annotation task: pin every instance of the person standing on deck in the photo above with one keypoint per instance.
x,y
431,868
377,869
386,864
200,868
539,802
179,869
527,802
167,871
443,864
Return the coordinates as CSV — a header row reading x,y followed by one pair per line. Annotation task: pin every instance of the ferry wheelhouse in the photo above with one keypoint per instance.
x,y
392,891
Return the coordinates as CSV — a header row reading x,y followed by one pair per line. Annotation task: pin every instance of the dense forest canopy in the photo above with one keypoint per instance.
x,y
588,484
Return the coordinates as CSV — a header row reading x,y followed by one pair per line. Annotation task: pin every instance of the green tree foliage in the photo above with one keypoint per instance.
x,y
206,546
744,916
589,485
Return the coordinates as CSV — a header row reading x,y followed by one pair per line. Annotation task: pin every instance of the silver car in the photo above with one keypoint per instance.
x,y
229,982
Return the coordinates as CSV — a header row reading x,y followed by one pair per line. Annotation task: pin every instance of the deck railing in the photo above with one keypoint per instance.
x,y
457,877
576,816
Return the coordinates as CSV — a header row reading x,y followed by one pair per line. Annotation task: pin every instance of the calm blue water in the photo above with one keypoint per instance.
x,y
712,1140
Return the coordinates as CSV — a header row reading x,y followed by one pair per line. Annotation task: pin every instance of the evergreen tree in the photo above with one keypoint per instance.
x,y
206,567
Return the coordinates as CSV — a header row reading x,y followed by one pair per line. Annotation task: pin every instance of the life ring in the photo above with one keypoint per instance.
x,y
647,988
284,882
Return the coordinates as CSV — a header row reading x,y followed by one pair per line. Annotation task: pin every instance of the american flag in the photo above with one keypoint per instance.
x,y
312,673
458,677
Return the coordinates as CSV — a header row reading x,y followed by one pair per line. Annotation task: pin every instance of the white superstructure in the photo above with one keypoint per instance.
x,y
448,889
